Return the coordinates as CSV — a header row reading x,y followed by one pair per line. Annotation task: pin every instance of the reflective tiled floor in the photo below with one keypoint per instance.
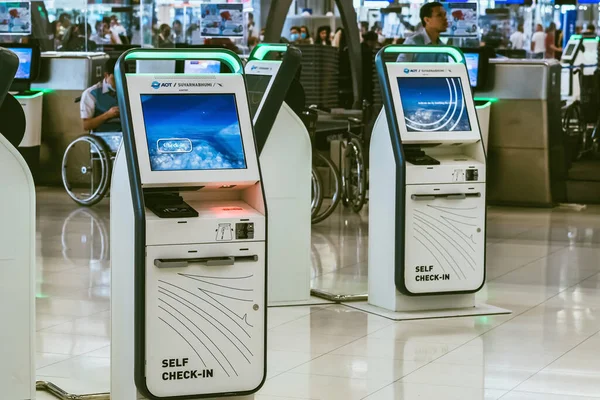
x,y
543,264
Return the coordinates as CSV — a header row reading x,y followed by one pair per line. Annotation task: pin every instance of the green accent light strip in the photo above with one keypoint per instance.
x,y
30,96
488,99
454,53
231,61
594,39
263,49
575,36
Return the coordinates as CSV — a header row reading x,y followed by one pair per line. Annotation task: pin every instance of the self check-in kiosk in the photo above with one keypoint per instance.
x,y
286,159
426,188
17,247
188,235
580,51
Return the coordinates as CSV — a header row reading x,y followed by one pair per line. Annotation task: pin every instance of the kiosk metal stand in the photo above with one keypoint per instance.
x,y
188,235
17,250
286,160
427,192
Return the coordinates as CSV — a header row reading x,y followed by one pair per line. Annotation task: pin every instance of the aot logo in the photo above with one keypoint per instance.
x,y
406,71
253,68
155,85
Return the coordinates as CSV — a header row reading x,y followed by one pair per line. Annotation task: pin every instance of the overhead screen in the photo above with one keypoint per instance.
x,y
433,104
193,132
472,60
202,67
257,86
25,54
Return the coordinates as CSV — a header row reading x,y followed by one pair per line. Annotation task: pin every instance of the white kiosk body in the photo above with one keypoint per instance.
x,y
427,190
286,162
17,250
17,275
188,238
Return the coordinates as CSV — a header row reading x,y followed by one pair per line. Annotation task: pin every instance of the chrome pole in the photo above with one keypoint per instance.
x,y
57,392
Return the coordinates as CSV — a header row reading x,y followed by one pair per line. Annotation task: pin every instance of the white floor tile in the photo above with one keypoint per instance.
x,y
415,391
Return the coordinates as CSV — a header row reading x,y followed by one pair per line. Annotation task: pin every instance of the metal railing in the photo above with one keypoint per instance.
x,y
62,395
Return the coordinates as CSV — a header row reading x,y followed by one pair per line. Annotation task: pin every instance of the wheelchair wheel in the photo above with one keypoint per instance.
x,y
322,162
354,177
86,168
317,193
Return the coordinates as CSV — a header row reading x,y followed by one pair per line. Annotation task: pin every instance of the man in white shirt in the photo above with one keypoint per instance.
x,y
517,39
538,42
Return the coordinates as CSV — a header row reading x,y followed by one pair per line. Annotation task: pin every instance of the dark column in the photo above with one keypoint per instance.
x,y
350,24
275,20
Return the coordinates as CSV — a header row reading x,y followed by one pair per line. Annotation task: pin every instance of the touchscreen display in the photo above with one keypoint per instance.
x,y
193,132
472,60
570,49
257,86
433,104
24,54
202,67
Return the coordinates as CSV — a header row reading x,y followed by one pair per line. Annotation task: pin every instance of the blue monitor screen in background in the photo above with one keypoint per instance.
x,y
24,54
202,67
192,132
472,60
433,104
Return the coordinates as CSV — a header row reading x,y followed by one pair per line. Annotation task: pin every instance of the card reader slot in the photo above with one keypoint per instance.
x,y
447,196
209,261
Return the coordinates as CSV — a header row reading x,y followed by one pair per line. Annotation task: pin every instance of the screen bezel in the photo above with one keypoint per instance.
x,y
433,70
571,57
270,68
139,84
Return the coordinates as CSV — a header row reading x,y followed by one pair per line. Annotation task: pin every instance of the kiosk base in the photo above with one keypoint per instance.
x,y
419,312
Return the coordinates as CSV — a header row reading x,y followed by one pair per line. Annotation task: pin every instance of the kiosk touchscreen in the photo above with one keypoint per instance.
x,y
568,82
188,236
427,188
286,159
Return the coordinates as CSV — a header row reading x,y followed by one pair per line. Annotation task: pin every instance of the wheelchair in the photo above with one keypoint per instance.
x,y
87,165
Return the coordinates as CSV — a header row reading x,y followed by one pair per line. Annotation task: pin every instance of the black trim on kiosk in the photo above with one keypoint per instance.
x,y
290,63
137,195
398,150
484,55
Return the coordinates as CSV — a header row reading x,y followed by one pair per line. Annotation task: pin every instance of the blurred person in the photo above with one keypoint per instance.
x,y
177,29
294,34
339,39
323,34
550,42
251,24
103,34
64,20
252,42
117,29
590,31
538,42
368,48
163,39
99,109
517,39
578,29
55,33
261,37
493,37
434,20
305,35
77,38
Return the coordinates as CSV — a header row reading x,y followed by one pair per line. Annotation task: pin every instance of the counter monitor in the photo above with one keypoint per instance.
x,y
25,55
472,60
193,132
433,104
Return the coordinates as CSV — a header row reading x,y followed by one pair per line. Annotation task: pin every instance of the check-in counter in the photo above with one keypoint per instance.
x,y
526,156
63,78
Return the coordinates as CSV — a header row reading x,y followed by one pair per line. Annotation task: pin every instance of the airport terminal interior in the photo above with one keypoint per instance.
x,y
300,200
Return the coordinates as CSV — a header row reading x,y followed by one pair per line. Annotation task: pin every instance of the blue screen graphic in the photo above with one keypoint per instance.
x,y
193,132
433,104
472,60
24,54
